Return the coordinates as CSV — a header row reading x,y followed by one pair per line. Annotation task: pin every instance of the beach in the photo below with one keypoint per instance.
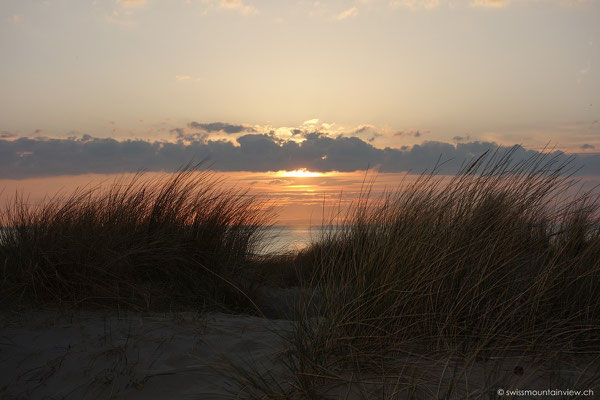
x,y
90,355
158,356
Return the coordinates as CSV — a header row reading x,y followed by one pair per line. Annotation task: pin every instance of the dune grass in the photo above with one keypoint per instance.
x,y
499,252
179,240
448,287
451,287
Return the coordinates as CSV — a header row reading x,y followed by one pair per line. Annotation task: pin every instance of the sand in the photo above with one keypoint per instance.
x,y
92,355
151,356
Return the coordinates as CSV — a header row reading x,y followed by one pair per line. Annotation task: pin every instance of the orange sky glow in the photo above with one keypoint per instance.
x,y
299,198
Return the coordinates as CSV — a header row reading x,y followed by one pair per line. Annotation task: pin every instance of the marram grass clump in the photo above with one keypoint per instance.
x,y
451,287
503,252
179,240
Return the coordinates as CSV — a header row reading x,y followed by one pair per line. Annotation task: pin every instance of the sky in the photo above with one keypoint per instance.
x,y
115,86
296,201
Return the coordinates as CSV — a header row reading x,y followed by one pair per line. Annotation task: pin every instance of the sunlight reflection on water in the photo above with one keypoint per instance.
x,y
283,239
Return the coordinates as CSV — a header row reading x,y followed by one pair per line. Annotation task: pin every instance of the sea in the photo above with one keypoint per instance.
x,y
285,239
277,239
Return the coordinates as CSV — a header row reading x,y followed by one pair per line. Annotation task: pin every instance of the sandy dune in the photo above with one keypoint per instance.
x,y
152,356
94,355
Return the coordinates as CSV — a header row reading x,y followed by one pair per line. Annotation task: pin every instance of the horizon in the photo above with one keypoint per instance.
x,y
96,89
304,199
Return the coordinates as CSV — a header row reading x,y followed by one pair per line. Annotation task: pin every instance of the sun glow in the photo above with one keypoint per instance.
x,y
299,173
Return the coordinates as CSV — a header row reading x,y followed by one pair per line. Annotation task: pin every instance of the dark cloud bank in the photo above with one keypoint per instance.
x,y
34,157
220,126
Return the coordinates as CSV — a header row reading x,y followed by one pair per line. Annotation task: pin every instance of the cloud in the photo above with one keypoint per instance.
x,y
411,132
131,3
34,157
182,135
237,5
349,13
490,3
16,20
368,131
364,129
122,14
374,136
414,4
587,146
461,138
182,77
220,127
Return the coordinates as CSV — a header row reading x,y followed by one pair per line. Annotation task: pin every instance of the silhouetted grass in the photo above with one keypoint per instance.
x,y
501,251
176,241
441,288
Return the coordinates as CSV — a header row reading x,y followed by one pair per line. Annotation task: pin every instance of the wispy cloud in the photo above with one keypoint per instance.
x,y
414,4
349,13
490,3
16,20
220,127
183,77
131,3
122,14
364,128
411,132
313,121
237,5
461,138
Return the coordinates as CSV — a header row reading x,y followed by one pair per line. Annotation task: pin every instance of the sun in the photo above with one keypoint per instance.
x,y
300,173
